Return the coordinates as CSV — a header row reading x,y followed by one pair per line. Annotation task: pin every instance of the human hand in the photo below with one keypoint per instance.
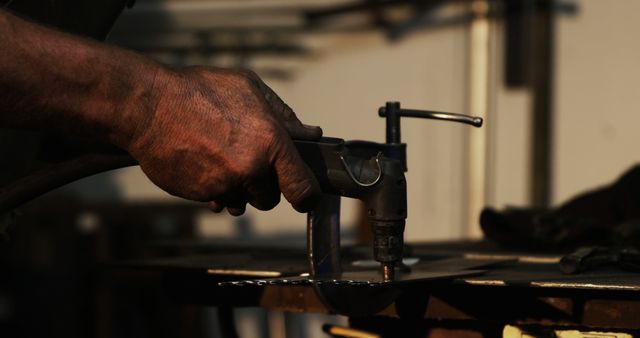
x,y
223,137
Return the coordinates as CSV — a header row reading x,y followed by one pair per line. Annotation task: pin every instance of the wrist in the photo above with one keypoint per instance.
x,y
133,115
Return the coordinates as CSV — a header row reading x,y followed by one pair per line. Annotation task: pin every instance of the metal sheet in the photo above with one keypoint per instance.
x,y
358,278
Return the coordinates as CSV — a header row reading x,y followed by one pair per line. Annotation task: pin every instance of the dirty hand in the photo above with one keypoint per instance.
x,y
224,137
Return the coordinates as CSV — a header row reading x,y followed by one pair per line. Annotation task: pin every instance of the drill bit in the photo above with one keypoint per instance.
x,y
388,271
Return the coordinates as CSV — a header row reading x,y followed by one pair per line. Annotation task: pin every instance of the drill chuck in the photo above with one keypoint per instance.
x,y
388,240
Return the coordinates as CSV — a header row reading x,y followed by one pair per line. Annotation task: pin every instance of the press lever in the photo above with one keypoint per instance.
x,y
392,112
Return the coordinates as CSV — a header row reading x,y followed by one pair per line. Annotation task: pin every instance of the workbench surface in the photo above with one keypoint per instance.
x,y
512,288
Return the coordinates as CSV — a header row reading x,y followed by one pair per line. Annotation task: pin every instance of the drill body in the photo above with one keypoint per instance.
x,y
366,171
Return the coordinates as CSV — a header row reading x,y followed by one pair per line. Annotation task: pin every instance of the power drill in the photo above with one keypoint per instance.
x,y
371,172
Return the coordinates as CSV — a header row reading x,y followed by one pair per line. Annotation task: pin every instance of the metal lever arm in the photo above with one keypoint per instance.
x,y
392,112
436,115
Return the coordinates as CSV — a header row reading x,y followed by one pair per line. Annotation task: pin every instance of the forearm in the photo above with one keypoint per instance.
x,y
56,81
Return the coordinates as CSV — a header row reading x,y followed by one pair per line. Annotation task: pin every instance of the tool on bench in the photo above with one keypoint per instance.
x,y
373,173
368,171
591,257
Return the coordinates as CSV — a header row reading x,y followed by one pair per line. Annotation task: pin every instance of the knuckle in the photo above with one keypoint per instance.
x,y
300,192
249,74
247,168
212,188
268,136
243,79
275,147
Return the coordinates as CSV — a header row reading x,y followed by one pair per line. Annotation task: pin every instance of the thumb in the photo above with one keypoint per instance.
x,y
297,182
300,131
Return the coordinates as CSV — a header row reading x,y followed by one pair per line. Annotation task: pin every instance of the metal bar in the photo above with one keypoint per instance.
x,y
59,174
542,104
323,236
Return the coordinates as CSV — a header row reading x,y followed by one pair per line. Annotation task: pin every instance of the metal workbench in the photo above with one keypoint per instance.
x,y
525,289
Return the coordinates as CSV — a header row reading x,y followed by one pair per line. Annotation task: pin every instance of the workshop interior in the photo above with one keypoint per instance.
x,y
478,168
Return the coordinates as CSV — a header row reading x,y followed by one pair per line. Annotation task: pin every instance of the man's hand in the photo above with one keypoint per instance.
x,y
225,137
204,134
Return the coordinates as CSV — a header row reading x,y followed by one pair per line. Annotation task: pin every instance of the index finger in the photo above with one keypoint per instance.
x,y
297,182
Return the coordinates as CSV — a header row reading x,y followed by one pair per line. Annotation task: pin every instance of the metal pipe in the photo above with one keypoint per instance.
x,y
323,236
477,152
57,175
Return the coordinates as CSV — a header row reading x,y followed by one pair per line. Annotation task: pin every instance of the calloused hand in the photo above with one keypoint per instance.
x,y
224,137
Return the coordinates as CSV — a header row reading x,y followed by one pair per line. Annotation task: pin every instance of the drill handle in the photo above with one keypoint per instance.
x,y
360,170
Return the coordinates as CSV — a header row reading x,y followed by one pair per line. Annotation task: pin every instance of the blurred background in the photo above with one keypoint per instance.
x,y
336,62
556,81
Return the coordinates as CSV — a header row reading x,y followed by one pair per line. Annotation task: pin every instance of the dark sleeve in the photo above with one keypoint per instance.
x,y
90,18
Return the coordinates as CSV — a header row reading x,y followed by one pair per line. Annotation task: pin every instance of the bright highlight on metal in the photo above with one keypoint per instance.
x,y
248,273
